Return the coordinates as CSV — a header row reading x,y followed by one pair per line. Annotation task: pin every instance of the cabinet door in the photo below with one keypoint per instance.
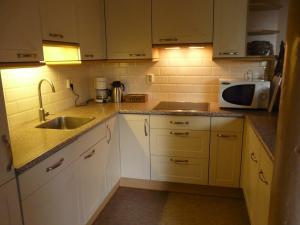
x,y
182,21
92,179
128,29
230,22
59,20
263,189
113,170
57,202
250,170
10,213
20,39
225,159
134,146
91,24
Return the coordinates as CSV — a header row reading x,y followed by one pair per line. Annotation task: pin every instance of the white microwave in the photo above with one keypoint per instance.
x,y
247,94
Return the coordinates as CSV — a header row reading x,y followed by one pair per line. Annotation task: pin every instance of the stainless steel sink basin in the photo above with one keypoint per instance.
x,y
65,123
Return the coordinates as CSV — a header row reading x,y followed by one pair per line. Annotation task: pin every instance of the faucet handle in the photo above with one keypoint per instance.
x,y
47,113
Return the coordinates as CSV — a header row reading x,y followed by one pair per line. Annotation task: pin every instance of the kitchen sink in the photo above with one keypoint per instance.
x,y
65,123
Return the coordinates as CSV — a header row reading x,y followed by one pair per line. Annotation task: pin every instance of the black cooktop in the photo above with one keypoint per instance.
x,y
182,106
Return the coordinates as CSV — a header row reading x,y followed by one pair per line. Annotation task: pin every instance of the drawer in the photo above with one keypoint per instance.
x,y
40,174
180,122
185,143
179,169
93,136
230,124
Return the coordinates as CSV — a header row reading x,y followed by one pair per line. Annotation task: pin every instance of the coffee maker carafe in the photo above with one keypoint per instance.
x,y
117,91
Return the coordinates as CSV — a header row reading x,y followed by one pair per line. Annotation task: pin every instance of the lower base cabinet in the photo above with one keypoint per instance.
x,y
10,213
256,178
92,179
68,187
57,202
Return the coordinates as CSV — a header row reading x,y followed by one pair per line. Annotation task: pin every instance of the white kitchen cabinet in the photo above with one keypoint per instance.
x,y
134,146
225,151
225,159
91,29
21,38
128,29
182,21
55,203
10,213
59,20
113,163
257,178
250,168
179,147
230,28
92,179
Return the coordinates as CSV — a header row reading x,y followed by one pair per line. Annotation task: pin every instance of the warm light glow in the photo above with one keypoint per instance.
x,y
196,47
172,48
61,54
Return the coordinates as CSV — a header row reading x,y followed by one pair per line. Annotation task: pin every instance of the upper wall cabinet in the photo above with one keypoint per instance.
x,y
182,21
230,28
128,29
20,39
91,23
59,20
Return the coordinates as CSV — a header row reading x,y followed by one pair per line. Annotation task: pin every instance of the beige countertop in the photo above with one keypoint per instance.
x,y
31,145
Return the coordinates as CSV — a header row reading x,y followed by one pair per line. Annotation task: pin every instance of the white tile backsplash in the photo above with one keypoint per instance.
x,y
180,75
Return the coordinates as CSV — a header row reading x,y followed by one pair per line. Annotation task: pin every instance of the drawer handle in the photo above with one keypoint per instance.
x,y
179,122
9,151
109,134
253,158
179,161
26,55
229,53
89,55
137,55
262,177
56,35
90,155
145,127
226,136
168,39
56,165
180,133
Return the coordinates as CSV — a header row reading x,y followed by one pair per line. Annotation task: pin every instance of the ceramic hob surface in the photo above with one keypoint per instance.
x,y
182,106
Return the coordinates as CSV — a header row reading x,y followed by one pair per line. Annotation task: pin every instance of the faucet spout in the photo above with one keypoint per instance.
x,y
42,112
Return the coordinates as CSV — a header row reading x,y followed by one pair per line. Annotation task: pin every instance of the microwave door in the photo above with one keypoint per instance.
x,y
239,95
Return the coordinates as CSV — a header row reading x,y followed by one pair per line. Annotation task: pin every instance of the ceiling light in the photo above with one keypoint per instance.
x,y
172,48
196,47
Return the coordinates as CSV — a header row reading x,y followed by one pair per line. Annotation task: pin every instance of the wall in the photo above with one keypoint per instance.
x,y
21,90
180,75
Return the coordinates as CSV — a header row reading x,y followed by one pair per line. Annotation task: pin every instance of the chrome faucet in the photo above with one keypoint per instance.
x,y
42,112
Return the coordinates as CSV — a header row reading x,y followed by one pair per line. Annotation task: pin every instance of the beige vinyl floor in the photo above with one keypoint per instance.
x,y
143,207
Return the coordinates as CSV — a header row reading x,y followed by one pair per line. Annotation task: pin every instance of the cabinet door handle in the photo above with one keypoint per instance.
x,y
9,152
146,127
109,134
180,133
90,155
262,177
229,53
253,158
179,161
226,135
55,35
168,39
89,55
137,55
56,165
180,122
26,55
